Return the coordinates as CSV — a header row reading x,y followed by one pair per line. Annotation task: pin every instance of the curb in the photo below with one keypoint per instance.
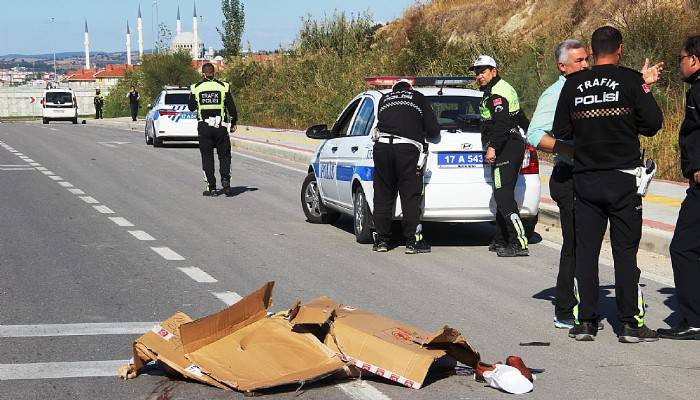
x,y
290,153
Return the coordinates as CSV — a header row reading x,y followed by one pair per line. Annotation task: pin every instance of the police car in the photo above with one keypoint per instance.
x,y
169,118
458,184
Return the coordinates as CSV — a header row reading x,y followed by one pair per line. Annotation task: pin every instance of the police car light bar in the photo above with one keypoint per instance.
x,y
440,81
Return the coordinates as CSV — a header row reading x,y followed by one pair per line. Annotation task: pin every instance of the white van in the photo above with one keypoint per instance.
x,y
59,105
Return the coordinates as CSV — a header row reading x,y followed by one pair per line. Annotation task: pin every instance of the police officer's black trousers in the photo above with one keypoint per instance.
x,y
603,196
98,112
685,256
395,172
505,172
211,138
561,188
134,108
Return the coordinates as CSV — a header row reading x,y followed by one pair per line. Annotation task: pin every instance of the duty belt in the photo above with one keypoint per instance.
x,y
389,138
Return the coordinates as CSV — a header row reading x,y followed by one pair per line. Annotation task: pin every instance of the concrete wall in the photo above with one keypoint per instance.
x,y
15,102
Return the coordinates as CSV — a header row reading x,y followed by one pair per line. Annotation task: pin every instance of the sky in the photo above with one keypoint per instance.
x,y
45,26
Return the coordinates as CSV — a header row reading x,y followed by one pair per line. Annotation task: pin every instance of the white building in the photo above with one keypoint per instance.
x,y
188,41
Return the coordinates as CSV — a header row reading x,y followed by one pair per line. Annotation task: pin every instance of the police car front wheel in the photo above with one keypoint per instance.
x,y
312,204
362,218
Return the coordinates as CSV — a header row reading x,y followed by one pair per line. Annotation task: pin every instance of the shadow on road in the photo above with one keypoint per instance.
x,y
179,145
671,302
237,190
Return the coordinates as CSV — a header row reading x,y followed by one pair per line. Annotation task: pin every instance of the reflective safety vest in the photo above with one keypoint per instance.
x,y
210,95
505,90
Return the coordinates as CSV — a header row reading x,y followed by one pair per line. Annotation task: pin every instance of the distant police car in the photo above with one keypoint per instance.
x,y
457,181
169,118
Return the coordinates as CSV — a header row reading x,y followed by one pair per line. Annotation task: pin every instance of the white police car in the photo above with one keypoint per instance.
x,y
169,118
457,181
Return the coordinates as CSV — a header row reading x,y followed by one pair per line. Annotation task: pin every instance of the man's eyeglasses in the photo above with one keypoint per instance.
x,y
680,58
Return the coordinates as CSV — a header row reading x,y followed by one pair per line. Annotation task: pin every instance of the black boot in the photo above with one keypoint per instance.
x,y
226,187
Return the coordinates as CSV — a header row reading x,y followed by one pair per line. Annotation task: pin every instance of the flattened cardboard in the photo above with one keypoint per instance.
x,y
388,348
244,349
163,343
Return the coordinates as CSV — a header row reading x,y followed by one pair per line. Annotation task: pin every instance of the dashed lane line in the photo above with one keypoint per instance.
x,y
47,172
17,169
89,199
65,184
55,177
228,297
121,221
41,169
76,191
141,235
35,164
88,329
103,209
168,253
198,275
60,370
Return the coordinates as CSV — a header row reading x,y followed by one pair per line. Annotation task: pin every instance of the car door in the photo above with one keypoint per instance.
x,y
354,151
328,156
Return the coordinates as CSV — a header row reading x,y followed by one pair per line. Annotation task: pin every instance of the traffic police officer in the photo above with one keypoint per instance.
x,y
505,148
405,118
99,102
603,110
212,100
685,246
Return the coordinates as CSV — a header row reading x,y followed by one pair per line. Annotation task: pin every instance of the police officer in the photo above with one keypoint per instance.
x,y
603,110
405,118
134,99
685,246
99,102
212,100
505,149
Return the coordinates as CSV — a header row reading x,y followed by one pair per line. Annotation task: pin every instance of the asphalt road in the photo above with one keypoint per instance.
x,y
66,257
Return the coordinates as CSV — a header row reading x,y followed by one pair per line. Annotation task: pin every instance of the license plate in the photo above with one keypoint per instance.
x,y
462,159
59,111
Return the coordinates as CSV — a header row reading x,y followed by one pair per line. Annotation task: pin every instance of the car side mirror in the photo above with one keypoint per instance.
x,y
318,132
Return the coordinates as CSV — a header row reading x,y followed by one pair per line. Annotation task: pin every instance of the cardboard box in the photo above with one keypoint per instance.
x,y
242,348
388,348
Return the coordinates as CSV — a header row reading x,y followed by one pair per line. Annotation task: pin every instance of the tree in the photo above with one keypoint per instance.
x,y
233,24
164,39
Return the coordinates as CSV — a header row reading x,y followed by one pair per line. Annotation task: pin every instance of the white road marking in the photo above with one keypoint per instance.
x,y
42,169
55,177
17,153
362,390
17,169
76,191
29,160
270,162
141,235
100,328
14,151
121,221
610,263
13,165
198,275
54,129
103,209
229,298
89,200
60,370
168,253
35,164
46,172
65,184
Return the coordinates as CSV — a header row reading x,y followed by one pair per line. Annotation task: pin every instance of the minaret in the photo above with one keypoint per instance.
x,y
195,33
178,24
139,28
86,42
128,44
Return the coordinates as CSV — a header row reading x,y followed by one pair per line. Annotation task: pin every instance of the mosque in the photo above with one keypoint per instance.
x,y
183,41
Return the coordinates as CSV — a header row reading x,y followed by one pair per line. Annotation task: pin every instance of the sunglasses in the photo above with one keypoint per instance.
x,y
680,58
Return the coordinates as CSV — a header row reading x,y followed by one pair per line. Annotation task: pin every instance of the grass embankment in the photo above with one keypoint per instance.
x,y
313,83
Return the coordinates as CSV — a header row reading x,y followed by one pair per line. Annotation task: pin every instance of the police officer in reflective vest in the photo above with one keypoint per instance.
x,y
99,101
501,136
604,110
212,100
405,118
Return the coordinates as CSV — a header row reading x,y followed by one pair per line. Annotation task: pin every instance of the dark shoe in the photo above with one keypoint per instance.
x,y
226,187
380,247
416,247
568,323
210,192
634,334
682,331
495,246
513,250
584,332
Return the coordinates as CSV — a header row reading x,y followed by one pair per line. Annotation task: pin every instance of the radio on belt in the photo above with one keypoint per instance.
x,y
646,175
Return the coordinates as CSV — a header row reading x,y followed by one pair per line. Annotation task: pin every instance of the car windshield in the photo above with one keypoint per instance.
x,y
59,97
456,112
176,98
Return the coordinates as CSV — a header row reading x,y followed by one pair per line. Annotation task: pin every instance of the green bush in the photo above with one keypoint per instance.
x,y
116,103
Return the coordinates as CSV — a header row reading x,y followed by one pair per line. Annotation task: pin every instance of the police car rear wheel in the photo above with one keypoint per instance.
x,y
363,218
311,203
